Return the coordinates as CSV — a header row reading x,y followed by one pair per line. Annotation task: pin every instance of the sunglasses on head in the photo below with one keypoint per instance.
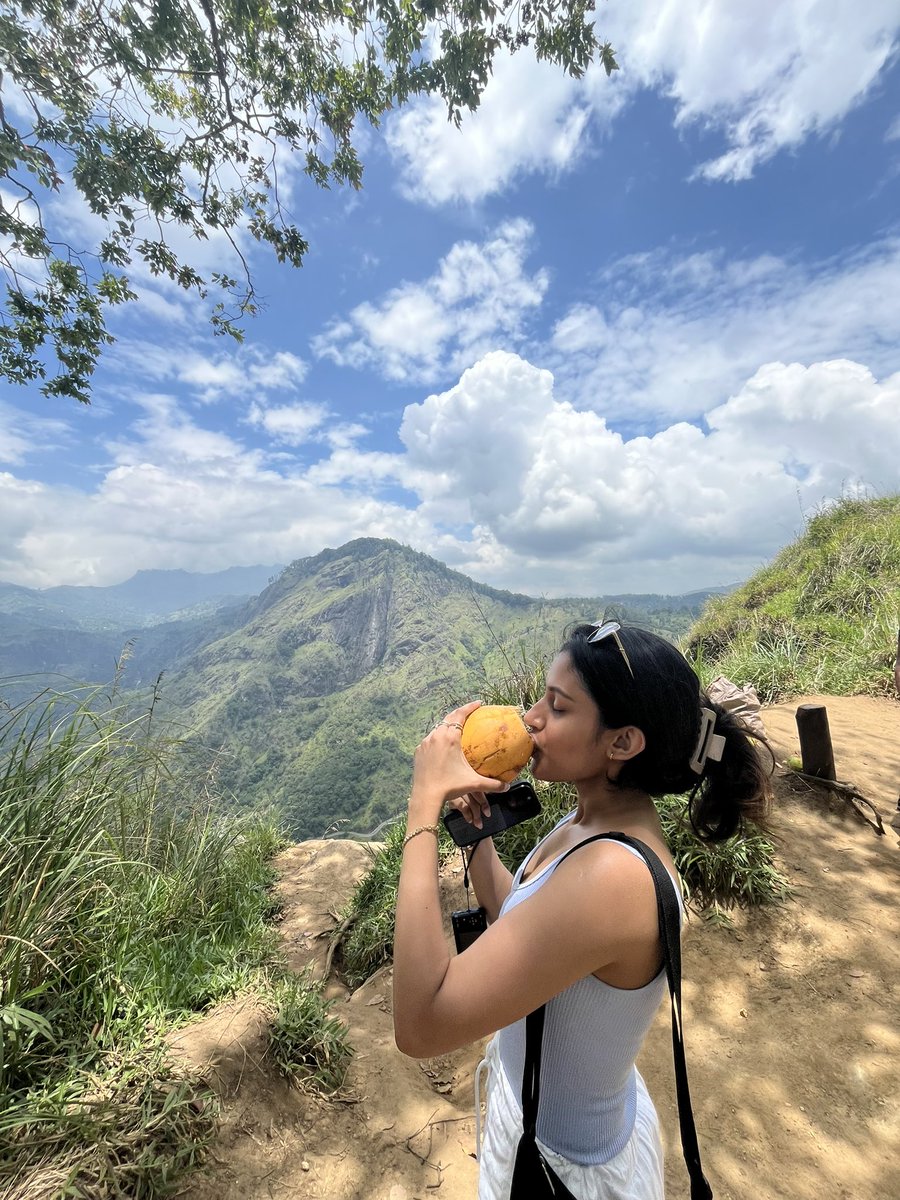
x,y
605,629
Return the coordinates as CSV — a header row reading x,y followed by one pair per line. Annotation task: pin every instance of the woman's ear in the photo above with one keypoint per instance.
x,y
627,742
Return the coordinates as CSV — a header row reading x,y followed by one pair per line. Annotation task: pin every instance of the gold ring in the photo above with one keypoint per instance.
x,y
452,725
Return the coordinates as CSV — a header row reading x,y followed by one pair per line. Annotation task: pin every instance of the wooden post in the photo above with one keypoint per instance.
x,y
816,750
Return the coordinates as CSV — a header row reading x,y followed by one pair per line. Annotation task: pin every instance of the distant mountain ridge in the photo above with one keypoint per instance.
x,y
144,599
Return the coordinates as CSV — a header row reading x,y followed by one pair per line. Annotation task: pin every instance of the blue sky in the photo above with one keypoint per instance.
x,y
613,335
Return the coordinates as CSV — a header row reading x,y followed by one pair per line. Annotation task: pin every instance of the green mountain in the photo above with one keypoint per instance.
x,y
316,697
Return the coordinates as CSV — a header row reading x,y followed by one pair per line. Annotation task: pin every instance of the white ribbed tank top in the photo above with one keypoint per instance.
x,y
592,1035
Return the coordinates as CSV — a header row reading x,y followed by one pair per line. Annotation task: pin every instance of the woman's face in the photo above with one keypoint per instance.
x,y
570,745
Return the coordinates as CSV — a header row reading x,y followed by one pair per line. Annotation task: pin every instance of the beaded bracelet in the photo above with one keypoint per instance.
x,y
435,829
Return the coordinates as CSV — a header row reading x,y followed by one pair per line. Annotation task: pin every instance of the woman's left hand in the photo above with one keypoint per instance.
x,y
441,771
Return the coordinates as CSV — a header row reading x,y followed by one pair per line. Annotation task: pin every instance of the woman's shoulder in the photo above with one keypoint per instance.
x,y
616,870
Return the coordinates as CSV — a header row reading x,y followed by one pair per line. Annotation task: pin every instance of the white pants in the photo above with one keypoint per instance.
x,y
634,1174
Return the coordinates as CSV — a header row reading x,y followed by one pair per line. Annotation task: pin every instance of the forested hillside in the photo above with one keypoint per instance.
x,y
64,636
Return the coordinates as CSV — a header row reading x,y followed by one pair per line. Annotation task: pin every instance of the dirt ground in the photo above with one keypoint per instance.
x,y
792,1024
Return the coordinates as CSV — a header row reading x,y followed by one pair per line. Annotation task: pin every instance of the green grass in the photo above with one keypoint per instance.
x,y
126,904
821,618
367,929
307,1042
738,872
365,938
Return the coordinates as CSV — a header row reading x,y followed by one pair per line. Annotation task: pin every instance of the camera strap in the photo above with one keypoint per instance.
x,y
466,861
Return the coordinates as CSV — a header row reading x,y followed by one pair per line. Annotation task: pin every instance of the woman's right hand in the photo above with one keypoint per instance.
x,y
474,806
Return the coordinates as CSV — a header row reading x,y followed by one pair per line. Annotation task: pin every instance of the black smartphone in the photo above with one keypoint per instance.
x,y
509,808
468,924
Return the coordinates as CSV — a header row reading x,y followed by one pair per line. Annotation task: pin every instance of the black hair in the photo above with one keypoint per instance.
x,y
657,690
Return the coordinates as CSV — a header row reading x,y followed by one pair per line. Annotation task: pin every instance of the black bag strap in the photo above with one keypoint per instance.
x,y
533,1175
531,1077
670,936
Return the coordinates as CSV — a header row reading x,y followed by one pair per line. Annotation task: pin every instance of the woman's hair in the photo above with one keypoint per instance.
x,y
661,695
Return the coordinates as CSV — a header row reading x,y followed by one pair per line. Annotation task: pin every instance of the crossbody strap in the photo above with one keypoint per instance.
x,y
670,936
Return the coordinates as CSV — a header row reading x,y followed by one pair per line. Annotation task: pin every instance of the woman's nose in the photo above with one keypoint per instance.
x,y
533,717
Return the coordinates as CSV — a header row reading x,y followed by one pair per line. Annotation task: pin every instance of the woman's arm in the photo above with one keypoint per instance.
x,y
421,958
596,909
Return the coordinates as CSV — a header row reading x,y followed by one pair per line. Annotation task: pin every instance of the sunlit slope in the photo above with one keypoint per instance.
x,y
822,617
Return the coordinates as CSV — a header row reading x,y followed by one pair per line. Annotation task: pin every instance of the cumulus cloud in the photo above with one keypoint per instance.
x,y
178,494
675,333
479,297
560,501
291,423
532,118
763,77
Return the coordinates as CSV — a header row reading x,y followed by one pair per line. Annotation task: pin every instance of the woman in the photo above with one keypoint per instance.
x,y
622,719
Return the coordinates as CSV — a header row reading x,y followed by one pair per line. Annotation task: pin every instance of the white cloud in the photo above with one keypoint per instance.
x,y
247,372
13,446
680,332
181,495
291,423
768,75
559,502
532,118
478,297
23,434
764,76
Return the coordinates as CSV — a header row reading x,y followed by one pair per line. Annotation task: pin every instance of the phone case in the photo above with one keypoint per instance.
x,y
510,808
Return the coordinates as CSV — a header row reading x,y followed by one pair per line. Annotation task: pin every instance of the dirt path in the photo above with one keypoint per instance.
x,y
792,1024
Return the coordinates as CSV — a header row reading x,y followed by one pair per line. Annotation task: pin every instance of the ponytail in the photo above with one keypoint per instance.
x,y
734,789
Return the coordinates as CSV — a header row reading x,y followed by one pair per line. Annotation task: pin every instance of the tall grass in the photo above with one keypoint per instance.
x,y
125,903
308,1043
822,617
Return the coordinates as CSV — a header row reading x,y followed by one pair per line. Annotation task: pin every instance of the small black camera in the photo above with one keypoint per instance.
x,y
468,924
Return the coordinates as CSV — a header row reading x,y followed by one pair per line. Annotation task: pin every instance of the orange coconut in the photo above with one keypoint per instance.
x,y
496,742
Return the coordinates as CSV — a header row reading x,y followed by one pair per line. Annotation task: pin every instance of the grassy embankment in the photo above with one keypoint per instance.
x,y
822,617
126,906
